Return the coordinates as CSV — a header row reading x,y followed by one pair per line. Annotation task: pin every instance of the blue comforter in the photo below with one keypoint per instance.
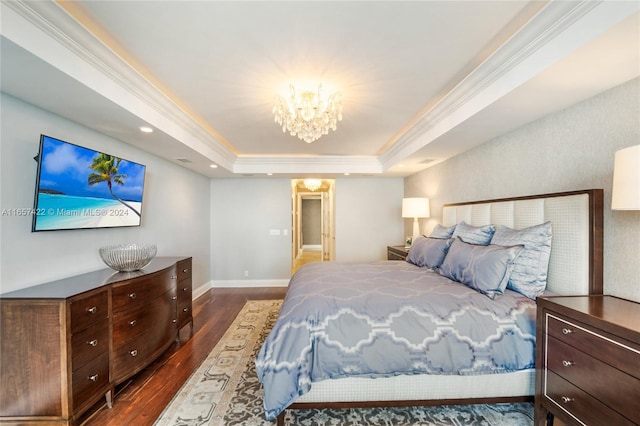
x,y
387,318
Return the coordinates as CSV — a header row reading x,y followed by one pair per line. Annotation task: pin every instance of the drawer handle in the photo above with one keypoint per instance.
x,y
174,298
93,378
93,342
132,295
185,289
133,323
185,310
92,310
174,320
567,363
566,399
185,270
134,352
174,277
567,331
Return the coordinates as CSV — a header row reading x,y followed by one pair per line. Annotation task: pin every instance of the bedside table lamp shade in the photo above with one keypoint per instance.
x,y
415,208
626,179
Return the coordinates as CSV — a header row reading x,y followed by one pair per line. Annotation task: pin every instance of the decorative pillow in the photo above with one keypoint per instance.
x,y
529,276
441,232
428,252
483,268
474,234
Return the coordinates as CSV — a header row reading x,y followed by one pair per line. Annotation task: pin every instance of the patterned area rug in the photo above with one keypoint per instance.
x,y
225,390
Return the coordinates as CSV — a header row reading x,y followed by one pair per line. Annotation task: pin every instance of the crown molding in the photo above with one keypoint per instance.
x,y
48,31
554,32
307,164
59,39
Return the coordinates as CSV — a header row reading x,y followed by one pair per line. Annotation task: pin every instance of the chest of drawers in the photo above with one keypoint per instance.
x,y
65,345
588,360
185,316
397,253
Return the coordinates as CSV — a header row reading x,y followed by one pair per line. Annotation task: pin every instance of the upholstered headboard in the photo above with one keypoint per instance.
x,y
575,265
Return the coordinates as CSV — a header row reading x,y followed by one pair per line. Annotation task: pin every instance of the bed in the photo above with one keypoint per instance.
x,y
392,333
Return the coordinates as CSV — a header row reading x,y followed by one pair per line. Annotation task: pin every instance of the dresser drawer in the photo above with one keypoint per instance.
x,y
137,293
87,310
133,355
155,329
184,300
129,324
89,379
184,291
611,386
89,344
184,312
579,404
184,269
397,253
619,353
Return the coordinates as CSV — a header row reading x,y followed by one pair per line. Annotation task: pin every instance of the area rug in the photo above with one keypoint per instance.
x,y
225,390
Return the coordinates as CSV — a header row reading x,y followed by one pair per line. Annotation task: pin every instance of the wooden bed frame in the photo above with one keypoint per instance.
x,y
518,213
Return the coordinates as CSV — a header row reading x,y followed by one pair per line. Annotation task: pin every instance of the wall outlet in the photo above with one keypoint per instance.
x,y
285,232
274,232
246,273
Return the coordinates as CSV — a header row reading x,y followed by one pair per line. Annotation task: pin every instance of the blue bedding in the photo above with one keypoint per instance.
x,y
387,318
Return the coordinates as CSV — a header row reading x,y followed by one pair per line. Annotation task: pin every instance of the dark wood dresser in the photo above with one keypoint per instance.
x,y
66,344
588,361
397,252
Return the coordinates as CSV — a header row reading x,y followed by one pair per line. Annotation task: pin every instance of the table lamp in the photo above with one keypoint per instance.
x,y
415,208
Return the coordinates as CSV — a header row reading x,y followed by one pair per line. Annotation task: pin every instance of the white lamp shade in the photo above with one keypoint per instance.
x,y
626,179
415,207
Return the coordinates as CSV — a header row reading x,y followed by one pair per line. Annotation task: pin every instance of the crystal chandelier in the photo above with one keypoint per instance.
x,y
309,115
312,184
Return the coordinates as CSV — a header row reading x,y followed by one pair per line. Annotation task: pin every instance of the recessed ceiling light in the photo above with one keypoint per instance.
x,y
269,174
146,129
347,174
214,166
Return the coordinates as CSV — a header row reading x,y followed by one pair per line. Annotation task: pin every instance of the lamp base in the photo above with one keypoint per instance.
x,y
416,230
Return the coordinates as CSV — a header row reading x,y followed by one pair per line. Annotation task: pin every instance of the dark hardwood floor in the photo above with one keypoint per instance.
x,y
141,400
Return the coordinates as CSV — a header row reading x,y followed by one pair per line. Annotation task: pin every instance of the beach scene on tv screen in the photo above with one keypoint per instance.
x,y
82,188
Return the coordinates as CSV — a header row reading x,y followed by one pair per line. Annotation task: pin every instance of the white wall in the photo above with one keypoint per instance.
x,y
569,150
243,211
175,211
368,217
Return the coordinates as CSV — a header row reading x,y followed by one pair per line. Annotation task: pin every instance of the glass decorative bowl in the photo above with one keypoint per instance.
x,y
128,257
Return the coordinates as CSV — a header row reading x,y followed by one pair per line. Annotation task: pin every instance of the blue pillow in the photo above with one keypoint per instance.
x,y
428,252
483,268
529,276
474,234
441,232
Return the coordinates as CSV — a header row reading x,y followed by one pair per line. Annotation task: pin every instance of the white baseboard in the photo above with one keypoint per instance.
x,y
249,283
199,291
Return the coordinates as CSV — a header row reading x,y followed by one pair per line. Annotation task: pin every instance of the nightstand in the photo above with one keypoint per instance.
x,y
587,360
397,252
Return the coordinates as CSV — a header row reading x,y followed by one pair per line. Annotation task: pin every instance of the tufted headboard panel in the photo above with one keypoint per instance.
x,y
575,266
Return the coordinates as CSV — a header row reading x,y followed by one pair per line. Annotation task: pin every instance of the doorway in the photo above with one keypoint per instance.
x,y
312,219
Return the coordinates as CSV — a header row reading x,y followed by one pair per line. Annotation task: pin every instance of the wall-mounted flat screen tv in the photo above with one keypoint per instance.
x,y
80,188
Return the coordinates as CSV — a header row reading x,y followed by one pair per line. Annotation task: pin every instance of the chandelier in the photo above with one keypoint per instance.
x,y
309,115
312,184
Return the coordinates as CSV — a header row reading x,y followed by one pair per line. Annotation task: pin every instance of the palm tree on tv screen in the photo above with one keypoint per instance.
x,y
106,168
